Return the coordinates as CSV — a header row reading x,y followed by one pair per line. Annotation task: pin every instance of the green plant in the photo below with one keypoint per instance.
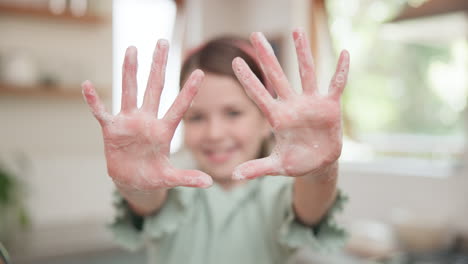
x,y
13,212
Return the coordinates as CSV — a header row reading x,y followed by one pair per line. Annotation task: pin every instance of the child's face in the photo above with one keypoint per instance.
x,y
223,127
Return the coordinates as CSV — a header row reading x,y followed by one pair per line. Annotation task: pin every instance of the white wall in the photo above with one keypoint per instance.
x,y
67,180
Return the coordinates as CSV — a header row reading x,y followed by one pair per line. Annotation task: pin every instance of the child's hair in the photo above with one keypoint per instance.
x,y
216,56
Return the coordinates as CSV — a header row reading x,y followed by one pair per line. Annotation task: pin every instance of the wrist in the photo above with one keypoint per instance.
x,y
142,202
325,174
131,190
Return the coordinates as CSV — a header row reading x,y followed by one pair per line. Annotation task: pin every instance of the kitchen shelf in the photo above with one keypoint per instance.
x,y
64,92
16,10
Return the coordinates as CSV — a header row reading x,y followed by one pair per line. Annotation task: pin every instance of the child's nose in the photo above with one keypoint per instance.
x,y
216,129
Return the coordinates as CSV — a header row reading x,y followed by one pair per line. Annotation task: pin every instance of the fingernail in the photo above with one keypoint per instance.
x,y
265,42
236,61
197,78
299,30
346,54
206,182
85,83
163,43
297,34
200,73
237,66
261,39
252,35
131,49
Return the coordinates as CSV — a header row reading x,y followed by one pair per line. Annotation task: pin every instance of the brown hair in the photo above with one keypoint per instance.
x,y
216,57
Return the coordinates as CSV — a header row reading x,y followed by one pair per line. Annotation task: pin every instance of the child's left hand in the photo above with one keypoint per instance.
x,y
307,126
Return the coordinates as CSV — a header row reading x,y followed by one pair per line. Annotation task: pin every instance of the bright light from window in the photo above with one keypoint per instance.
x,y
141,23
449,79
406,99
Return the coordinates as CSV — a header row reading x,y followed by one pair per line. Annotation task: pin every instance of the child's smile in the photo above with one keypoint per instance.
x,y
223,127
220,155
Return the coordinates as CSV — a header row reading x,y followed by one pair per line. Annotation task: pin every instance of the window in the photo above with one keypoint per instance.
x,y
405,100
141,23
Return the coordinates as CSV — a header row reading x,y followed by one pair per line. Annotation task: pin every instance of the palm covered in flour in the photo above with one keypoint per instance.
x,y
137,144
307,126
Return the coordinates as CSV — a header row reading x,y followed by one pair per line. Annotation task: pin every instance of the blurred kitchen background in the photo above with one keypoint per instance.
x,y
404,162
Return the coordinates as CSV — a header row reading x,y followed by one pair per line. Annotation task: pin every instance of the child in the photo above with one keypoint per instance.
x,y
229,108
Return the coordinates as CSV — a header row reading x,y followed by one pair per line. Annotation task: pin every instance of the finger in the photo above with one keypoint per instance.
x,y
270,65
97,107
340,78
156,78
306,62
129,80
254,88
257,168
191,178
184,99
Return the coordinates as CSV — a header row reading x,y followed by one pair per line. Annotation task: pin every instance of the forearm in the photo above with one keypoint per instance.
x,y
313,194
143,203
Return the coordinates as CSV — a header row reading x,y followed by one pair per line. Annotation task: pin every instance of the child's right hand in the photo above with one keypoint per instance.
x,y
136,142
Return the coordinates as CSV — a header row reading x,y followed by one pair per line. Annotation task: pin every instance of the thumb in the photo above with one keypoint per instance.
x,y
257,168
191,178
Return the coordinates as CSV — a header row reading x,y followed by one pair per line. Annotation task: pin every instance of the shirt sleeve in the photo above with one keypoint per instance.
x,y
326,236
133,231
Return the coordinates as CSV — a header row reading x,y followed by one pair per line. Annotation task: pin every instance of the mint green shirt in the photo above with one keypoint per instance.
x,y
253,223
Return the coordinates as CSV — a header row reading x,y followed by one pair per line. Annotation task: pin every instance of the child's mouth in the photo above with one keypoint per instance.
x,y
220,156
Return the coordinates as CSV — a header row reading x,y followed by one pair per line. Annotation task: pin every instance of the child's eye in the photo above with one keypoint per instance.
x,y
194,118
234,113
